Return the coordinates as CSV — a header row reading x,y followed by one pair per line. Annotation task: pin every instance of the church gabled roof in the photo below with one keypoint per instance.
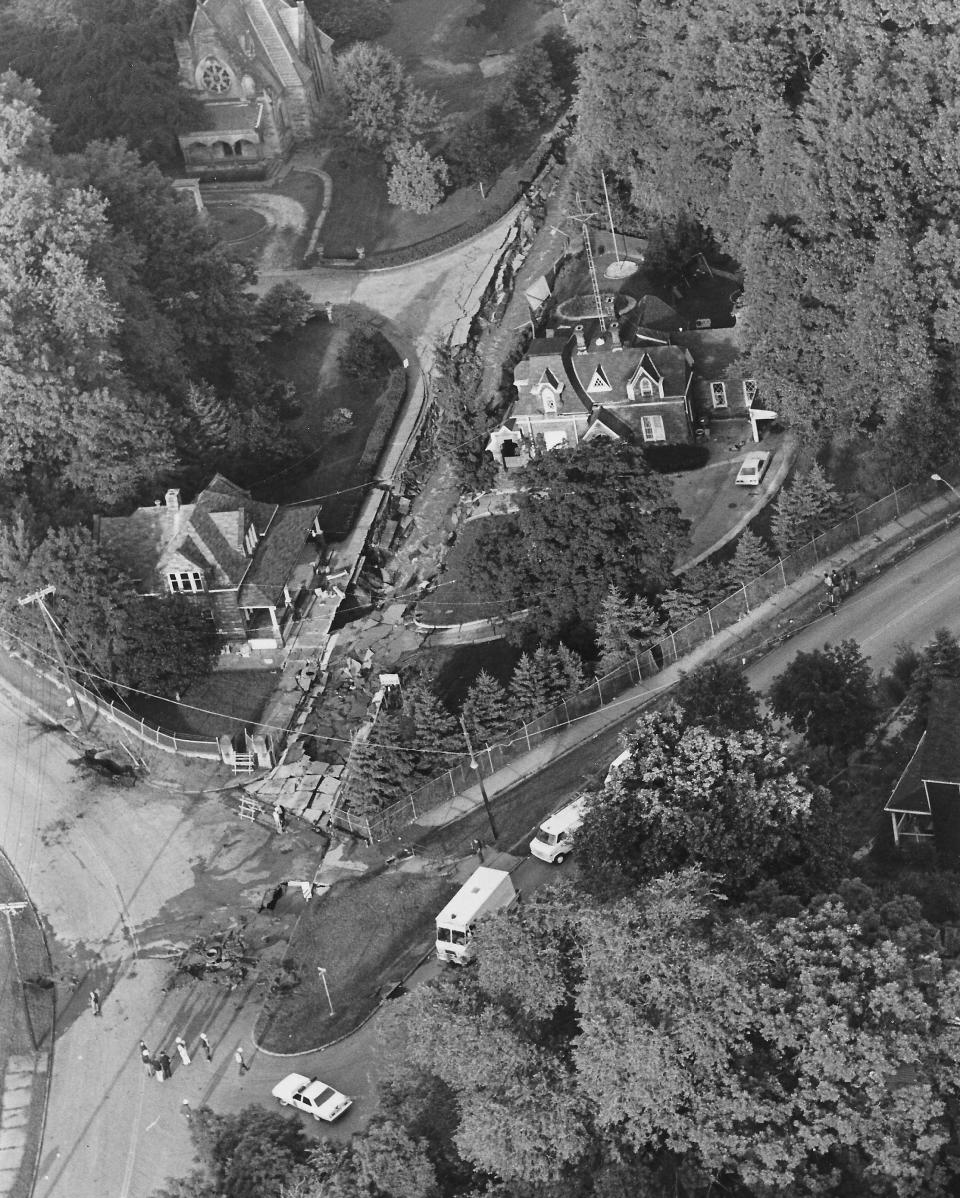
x,y
256,29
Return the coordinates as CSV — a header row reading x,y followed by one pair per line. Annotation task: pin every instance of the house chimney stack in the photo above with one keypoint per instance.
x,y
581,339
615,342
173,499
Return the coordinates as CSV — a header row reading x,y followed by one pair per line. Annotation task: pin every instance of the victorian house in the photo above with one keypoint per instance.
x,y
258,69
596,384
251,567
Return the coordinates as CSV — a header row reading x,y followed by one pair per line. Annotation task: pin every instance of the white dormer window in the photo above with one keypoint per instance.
x,y
652,427
548,397
718,393
646,386
189,582
251,539
749,391
599,382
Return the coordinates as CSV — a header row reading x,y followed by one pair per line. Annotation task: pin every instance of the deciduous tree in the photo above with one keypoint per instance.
x,y
381,105
417,180
687,796
717,696
588,517
828,695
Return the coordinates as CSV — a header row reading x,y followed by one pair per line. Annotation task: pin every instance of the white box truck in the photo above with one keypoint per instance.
x,y
484,891
554,838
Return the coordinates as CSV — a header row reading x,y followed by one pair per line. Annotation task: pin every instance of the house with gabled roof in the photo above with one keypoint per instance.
x,y
925,804
258,70
593,384
250,566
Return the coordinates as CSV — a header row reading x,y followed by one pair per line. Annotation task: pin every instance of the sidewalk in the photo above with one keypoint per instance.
x,y
890,542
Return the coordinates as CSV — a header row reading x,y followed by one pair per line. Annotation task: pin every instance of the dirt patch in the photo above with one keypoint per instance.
x,y
457,600
367,934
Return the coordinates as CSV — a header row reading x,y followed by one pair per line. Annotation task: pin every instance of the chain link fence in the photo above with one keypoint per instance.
x,y
603,690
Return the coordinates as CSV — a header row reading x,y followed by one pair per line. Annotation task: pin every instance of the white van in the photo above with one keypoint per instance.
x,y
554,838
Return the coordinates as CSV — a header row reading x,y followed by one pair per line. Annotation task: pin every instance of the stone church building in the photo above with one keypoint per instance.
x,y
259,69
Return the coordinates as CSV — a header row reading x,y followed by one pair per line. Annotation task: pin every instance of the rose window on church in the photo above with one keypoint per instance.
x,y
215,77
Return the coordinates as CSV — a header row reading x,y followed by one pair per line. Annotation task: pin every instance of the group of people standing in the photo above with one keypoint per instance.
x,y
158,1064
839,584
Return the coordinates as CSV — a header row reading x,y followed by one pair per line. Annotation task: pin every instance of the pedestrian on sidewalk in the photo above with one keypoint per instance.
x,y
205,1045
164,1062
279,817
182,1050
147,1059
242,1065
95,1002
158,1070
186,1110
477,845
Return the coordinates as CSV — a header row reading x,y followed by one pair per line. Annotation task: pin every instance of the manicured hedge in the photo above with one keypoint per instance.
x,y
667,459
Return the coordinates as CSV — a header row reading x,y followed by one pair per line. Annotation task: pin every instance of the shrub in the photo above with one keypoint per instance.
x,y
666,459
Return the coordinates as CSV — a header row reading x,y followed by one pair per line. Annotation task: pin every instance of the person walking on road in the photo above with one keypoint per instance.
x,y
242,1065
163,1060
182,1050
205,1045
95,1002
147,1059
279,817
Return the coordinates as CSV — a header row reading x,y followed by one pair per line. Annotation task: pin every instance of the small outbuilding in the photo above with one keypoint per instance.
x,y
925,804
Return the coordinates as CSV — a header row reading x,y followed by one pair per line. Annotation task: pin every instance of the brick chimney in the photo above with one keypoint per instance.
x,y
615,342
581,339
173,499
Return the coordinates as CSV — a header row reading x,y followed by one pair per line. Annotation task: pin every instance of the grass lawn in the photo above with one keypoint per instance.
x,y
331,450
241,694
235,222
455,600
367,933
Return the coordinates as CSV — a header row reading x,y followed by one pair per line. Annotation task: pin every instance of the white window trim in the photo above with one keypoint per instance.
x,y
749,391
650,426
646,386
185,582
718,394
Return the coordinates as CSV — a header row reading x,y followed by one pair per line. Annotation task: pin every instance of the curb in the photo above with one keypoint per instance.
x,y
364,1020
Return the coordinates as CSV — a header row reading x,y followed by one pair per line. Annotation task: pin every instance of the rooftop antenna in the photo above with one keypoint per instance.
x,y
623,267
582,218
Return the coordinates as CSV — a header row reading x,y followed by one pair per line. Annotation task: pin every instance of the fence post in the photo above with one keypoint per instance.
x,y
526,733
452,787
746,601
673,639
710,618
566,712
413,808
174,742
896,501
813,542
783,573
599,690
856,516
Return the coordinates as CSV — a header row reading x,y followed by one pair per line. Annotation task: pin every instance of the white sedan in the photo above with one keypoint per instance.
x,y
316,1098
753,469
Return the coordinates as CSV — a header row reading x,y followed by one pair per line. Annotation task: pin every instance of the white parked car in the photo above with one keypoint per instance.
x,y
753,469
316,1098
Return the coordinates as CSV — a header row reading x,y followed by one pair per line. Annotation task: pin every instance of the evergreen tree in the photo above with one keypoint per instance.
x,y
681,606
804,509
551,681
524,690
209,420
938,659
750,560
434,732
570,672
613,630
707,582
486,709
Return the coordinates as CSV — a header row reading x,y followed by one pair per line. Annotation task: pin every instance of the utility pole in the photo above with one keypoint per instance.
x,y
38,598
475,765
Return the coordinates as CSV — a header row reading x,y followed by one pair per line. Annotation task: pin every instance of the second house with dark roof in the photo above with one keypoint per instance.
x,y
250,566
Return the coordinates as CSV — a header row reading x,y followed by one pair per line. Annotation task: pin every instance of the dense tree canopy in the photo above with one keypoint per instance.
x,y
588,518
808,1053
829,695
105,69
816,143
727,801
